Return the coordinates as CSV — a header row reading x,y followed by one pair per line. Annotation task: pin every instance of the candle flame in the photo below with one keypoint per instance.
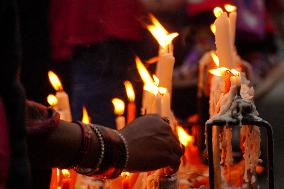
x,y
55,81
151,88
156,80
66,173
221,71
86,118
230,8
162,90
215,58
119,106
129,91
125,174
184,138
154,87
52,100
160,33
218,11
213,28
143,72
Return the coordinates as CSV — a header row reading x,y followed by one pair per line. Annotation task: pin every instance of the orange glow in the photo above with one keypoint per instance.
x,y
215,58
66,173
184,138
160,33
230,8
218,11
55,81
143,72
52,100
213,28
119,106
86,118
129,91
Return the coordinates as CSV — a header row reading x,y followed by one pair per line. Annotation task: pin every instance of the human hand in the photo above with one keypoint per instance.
x,y
40,119
152,144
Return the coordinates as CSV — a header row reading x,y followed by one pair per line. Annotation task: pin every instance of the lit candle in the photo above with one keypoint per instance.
x,y
85,118
119,107
131,107
62,106
163,103
66,179
126,181
52,101
191,153
165,65
148,97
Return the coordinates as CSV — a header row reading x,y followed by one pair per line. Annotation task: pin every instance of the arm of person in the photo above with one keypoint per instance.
x,y
151,145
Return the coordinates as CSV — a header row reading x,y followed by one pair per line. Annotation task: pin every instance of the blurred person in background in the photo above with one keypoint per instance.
x,y
100,38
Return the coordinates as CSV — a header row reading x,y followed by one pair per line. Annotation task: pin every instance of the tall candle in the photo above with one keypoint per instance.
x,y
223,42
165,65
164,70
119,107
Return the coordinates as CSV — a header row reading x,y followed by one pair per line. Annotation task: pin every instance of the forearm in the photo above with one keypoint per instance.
x,y
61,146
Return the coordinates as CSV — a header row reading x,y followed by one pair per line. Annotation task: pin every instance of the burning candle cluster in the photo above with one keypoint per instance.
x,y
223,78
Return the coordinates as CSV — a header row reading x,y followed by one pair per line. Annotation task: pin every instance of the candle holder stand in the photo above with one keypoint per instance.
x,y
240,113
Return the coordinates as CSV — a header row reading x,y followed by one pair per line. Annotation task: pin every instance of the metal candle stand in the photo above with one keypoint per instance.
x,y
240,113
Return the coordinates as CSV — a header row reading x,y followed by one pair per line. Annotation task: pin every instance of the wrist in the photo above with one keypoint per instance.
x,y
111,153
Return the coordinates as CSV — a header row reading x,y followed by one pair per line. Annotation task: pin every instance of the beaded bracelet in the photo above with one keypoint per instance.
x,y
125,146
113,157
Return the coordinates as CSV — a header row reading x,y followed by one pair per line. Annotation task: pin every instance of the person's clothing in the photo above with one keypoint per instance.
x,y
13,97
83,22
98,74
4,147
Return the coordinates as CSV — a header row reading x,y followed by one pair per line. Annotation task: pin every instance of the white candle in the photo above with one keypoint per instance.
x,y
119,108
164,70
164,105
63,106
223,41
147,101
